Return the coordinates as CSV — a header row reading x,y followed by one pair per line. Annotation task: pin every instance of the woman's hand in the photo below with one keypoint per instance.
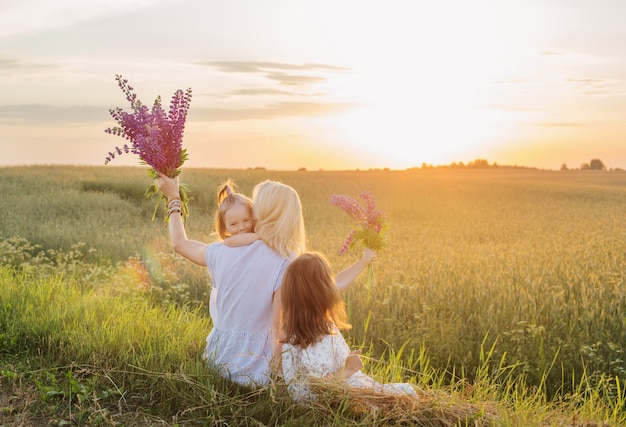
x,y
168,186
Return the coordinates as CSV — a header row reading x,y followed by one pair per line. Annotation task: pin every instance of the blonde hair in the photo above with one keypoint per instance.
x,y
227,197
279,220
311,302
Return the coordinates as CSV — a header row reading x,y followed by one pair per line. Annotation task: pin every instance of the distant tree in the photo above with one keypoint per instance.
x,y
564,167
479,164
584,167
597,165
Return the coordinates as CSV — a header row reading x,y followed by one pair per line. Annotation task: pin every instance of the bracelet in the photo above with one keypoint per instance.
x,y
174,203
172,210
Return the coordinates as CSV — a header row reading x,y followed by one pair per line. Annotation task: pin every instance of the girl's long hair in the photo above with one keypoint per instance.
x,y
311,303
227,197
279,220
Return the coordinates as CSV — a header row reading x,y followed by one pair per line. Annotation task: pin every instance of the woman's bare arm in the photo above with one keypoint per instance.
x,y
193,250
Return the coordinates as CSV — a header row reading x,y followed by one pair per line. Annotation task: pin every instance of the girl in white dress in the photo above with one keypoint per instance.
x,y
234,216
313,312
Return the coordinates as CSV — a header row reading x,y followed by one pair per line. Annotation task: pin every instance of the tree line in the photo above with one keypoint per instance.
x,y
594,164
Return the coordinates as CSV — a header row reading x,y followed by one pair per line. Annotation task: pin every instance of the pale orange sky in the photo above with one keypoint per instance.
x,y
321,84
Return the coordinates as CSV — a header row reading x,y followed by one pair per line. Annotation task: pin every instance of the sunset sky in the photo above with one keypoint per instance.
x,y
338,84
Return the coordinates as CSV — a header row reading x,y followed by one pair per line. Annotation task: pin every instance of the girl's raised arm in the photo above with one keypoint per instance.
x,y
241,239
345,277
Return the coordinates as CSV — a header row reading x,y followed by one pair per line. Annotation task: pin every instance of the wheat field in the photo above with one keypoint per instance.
x,y
527,264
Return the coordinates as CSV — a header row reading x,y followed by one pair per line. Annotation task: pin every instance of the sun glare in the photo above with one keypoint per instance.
x,y
404,138
405,120
426,104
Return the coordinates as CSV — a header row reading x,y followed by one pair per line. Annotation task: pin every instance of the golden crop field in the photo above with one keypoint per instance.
x,y
528,264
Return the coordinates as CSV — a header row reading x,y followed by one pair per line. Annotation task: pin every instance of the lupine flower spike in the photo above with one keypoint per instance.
x,y
369,223
369,227
156,137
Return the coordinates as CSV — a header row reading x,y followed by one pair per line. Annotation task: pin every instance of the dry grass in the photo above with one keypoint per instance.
x,y
429,408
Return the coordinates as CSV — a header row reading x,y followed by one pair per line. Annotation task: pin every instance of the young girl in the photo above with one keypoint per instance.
x,y
234,212
313,312
234,216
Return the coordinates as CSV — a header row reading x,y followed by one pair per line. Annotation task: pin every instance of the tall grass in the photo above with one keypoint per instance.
x,y
527,264
101,357
105,358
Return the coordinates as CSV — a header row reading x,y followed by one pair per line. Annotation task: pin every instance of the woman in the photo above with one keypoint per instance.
x,y
244,339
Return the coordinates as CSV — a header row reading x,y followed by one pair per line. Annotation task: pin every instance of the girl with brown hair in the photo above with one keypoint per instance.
x,y
313,312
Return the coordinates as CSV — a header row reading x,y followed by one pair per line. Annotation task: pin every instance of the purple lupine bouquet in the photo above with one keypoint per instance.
x,y
370,226
154,135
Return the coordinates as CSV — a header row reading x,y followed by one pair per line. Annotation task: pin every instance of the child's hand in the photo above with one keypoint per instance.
x,y
346,277
351,366
353,363
369,255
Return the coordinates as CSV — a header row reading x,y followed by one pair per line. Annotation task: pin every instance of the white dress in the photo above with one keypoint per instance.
x,y
323,358
245,279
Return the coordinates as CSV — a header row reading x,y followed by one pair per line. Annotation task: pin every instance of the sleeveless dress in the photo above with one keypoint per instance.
x,y
323,358
245,279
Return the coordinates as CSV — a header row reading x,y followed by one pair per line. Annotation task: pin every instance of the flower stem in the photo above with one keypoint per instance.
x,y
370,280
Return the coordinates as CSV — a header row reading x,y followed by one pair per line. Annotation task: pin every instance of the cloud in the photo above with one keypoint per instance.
x,y
504,107
271,111
262,92
509,81
556,124
591,86
9,64
550,52
294,80
264,67
50,115
571,57
586,81
45,115
26,16
285,74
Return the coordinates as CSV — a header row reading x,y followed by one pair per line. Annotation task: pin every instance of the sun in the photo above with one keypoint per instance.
x,y
423,92
403,123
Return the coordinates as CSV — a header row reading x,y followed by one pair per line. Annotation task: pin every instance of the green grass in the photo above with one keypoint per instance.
x,y
502,289
100,357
